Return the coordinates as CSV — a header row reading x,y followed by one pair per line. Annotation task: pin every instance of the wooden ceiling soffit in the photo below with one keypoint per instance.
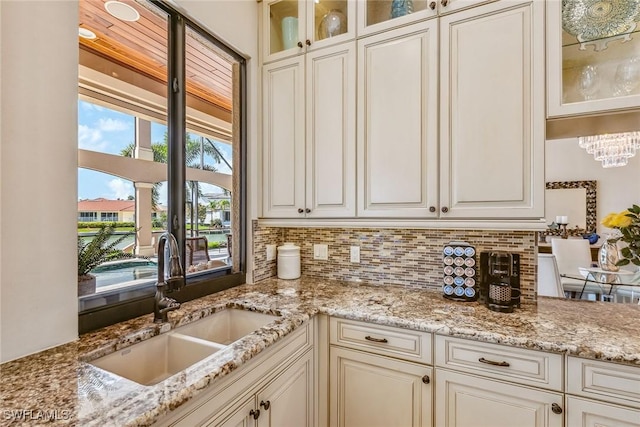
x,y
115,71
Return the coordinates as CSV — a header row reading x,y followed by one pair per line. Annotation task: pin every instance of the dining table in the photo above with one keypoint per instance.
x,y
614,284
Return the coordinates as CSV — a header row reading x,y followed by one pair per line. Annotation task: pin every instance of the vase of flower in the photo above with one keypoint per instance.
x,y
608,256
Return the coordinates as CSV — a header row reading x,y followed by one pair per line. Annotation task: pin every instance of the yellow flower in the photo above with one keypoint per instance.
x,y
617,220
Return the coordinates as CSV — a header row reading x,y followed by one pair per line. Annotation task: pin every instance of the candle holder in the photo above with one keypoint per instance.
x,y
563,231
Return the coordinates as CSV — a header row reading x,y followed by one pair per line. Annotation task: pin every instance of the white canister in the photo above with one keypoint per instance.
x,y
288,261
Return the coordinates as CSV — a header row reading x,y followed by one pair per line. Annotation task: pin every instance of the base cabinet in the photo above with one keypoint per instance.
x,y
286,401
589,413
368,390
464,400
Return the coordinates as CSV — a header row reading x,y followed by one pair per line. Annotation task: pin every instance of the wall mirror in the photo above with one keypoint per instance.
x,y
574,199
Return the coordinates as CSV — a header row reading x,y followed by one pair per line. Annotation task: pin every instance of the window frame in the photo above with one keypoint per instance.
x,y
210,282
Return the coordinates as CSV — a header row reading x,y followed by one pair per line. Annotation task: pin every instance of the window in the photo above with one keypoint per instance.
x,y
174,159
87,216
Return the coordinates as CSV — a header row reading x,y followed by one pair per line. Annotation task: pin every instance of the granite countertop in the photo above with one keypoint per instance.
x,y
59,384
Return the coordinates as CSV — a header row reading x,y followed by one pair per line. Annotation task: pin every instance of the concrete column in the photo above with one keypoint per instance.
x,y
144,239
144,243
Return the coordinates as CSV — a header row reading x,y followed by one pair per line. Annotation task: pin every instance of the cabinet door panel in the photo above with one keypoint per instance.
x,y
368,391
288,400
397,126
492,111
589,413
468,401
331,136
238,416
283,135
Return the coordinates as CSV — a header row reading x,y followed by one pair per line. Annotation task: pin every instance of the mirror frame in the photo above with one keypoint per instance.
x,y
591,204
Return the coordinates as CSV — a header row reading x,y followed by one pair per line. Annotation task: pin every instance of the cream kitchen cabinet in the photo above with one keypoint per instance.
x,y
397,122
495,385
277,385
378,375
294,27
379,15
309,134
287,400
592,68
602,394
464,400
487,159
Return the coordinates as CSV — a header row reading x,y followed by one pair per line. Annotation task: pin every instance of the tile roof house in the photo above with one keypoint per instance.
x,y
102,209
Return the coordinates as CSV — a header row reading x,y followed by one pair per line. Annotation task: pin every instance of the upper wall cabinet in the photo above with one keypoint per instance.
x,y
492,119
380,15
292,27
593,53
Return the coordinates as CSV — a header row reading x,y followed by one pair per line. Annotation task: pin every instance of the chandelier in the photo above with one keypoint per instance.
x,y
613,150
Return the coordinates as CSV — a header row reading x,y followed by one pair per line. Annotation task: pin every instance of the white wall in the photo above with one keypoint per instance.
x,y
38,173
38,160
618,188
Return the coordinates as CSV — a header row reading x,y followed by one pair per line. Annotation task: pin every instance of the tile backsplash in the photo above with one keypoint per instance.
x,y
390,257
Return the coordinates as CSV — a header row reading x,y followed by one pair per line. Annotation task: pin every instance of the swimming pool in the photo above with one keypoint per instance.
x,y
115,272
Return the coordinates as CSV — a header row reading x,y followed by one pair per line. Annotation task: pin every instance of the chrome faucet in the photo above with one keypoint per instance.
x,y
170,278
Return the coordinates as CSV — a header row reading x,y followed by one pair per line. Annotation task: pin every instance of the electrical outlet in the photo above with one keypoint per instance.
x,y
321,252
355,254
271,252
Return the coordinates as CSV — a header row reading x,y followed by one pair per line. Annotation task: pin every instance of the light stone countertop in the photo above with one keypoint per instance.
x,y
58,382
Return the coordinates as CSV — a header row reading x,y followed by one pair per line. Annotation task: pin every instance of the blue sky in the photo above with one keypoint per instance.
x,y
108,131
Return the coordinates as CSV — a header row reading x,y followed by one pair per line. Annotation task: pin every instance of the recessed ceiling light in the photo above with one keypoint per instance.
x,y
122,11
85,33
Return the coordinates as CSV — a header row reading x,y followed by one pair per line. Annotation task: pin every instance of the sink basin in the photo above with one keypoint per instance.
x,y
158,358
227,326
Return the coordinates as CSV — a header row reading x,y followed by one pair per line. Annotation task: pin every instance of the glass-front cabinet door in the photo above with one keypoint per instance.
x,y
292,27
593,50
381,15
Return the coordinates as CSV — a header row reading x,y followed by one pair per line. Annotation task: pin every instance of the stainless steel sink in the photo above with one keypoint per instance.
x,y
158,358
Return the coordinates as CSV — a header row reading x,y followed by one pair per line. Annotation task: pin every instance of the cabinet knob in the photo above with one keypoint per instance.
x,y
426,379
445,209
432,5
266,405
444,3
308,42
307,210
255,413
300,210
432,208
300,44
555,408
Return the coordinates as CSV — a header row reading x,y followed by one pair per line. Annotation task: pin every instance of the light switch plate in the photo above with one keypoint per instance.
x,y
355,254
271,252
321,252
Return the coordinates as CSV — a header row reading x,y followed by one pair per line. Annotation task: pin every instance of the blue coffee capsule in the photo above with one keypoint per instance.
x,y
458,251
469,251
448,250
459,291
469,292
459,281
448,290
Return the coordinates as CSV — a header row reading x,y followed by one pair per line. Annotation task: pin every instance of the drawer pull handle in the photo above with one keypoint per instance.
x,y
491,362
382,340
555,408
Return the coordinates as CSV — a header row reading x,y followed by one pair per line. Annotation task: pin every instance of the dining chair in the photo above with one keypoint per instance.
x,y
549,281
571,254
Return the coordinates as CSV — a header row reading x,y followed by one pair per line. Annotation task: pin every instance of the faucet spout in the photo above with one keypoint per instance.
x,y
170,278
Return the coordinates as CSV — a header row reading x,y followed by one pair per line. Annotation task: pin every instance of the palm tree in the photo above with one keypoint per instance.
x,y
195,152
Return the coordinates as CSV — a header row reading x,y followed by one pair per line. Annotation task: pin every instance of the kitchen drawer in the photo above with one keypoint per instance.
x,y
527,367
404,344
612,382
